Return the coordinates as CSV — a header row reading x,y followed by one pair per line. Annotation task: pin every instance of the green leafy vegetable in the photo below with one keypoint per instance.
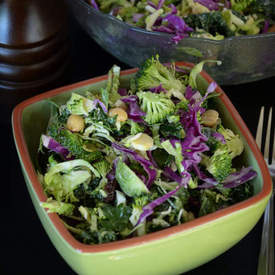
x,y
59,207
162,166
62,178
129,182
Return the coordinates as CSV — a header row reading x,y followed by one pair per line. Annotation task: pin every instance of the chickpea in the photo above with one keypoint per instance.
x,y
142,142
210,118
119,103
121,114
75,123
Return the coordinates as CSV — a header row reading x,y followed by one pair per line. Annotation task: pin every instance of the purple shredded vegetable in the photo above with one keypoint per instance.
x,y
178,37
192,96
210,4
122,91
162,29
173,9
101,104
151,4
53,145
192,146
160,4
227,4
134,112
211,88
93,4
112,174
265,27
177,24
219,137
150,156
239,177
194,142
170,174
209,182
137,16
195,99
173,24
158,89
149,208
146,164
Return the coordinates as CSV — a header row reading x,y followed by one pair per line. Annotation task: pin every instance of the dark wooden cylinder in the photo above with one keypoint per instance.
x,y
33,46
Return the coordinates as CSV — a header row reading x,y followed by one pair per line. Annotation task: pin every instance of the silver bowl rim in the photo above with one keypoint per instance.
x,y
169,36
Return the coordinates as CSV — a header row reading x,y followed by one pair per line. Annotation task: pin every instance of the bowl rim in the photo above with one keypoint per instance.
x,y
151,237
170,36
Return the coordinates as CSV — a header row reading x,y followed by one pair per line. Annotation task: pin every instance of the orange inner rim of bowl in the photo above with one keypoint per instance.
x,y
85,248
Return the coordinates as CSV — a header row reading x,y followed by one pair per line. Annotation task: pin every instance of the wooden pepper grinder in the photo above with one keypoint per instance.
x,y
33,46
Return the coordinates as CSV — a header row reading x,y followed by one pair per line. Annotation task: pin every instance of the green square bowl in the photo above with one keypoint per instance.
x,y
169,251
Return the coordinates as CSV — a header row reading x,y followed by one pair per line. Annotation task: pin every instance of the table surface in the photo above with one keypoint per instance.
x,y
26,246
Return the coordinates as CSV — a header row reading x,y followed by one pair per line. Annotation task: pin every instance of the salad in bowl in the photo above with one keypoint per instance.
x,y
124,162
212,19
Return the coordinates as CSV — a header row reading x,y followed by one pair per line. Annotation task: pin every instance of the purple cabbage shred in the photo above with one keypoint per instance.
x,y
149,208
210,4
146,164
54,146
134,112
93,4
239,177
101,104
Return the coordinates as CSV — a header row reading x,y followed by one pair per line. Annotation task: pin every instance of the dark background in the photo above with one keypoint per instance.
x,y
25,247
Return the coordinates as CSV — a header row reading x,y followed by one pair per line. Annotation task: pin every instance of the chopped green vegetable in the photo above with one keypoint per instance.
x,y
162,166
129,182
156,106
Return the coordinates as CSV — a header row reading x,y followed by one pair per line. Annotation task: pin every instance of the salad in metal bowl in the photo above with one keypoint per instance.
x,y
124,162
213,19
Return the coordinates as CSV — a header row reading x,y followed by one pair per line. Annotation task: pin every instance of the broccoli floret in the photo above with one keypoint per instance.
x,y
156,106
220,163
233,142
241,5
152,74
263,8
212,22
79,105
103,167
